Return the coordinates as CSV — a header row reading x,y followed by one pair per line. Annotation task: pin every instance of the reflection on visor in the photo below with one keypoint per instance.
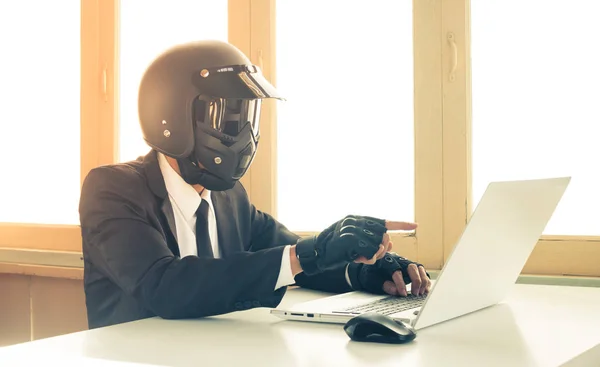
x,y
250,83
230,116
254,115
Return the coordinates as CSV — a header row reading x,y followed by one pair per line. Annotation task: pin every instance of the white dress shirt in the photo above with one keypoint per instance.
x,y
185,201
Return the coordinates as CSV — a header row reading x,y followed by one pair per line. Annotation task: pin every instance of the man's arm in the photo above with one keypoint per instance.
x,y
268,232
121,241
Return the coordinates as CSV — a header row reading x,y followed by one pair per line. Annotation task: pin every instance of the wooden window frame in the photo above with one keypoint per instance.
x,y
553,255
443,179
98,125
426,245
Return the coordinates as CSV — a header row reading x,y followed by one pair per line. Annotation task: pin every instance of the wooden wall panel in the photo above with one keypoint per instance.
x,y
15,326
58,307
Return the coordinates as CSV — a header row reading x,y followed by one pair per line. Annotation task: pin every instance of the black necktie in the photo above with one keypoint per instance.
x,y
202,237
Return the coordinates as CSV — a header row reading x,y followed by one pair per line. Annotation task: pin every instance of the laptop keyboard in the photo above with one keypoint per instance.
x,y
386,306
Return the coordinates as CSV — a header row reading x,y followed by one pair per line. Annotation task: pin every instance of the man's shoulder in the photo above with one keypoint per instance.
x,y
238,193
125,182
239,189
115,191
120,175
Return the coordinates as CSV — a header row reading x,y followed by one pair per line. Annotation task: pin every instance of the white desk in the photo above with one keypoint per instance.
x,y
536,326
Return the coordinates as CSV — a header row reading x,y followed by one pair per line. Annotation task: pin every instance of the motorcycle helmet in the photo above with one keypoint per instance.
x,y
200,103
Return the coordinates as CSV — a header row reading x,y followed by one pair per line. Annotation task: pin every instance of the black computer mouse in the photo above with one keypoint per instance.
x,y
378,328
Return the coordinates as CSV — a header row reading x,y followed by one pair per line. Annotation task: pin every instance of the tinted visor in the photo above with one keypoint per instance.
x,y
237,81
229,115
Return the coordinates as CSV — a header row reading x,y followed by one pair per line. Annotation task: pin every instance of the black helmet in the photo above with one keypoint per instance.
x,y
199,102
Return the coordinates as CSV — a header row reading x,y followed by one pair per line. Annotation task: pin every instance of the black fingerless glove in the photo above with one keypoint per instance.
x,y
370,278
367,278
340,244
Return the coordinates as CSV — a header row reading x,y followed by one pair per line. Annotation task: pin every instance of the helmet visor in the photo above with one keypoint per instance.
x,y
237,81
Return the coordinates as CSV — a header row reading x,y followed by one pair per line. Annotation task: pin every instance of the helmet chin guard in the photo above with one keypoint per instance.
x,y
194,175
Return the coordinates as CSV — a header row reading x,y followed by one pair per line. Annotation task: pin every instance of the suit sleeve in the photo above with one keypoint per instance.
x,y
121,241
268,232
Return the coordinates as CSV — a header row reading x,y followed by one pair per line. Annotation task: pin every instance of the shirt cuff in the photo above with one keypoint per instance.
x,y
285,272
348,277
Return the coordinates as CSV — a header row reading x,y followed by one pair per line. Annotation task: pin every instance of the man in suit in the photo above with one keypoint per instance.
x,y
173,234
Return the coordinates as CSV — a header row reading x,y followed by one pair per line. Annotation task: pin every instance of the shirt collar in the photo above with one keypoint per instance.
x,y
183,194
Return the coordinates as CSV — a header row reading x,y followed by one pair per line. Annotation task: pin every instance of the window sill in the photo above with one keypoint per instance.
x,y
560,280
45,263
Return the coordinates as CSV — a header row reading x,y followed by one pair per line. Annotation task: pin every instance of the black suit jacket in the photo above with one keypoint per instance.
x,y
132,268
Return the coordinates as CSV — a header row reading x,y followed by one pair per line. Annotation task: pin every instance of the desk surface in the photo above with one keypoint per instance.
x,y
535,326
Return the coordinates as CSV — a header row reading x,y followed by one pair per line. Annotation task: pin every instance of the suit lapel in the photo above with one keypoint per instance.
x,y
229,239
167,210
157,185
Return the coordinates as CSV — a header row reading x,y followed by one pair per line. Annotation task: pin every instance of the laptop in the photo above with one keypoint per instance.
x,y
481,269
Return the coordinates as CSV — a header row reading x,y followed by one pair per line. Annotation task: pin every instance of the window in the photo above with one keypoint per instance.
x,y
345,133
39,143
535,94
377,119
147,28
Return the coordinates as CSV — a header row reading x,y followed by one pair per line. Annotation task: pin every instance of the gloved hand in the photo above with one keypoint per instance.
x,y
341,243
394,269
